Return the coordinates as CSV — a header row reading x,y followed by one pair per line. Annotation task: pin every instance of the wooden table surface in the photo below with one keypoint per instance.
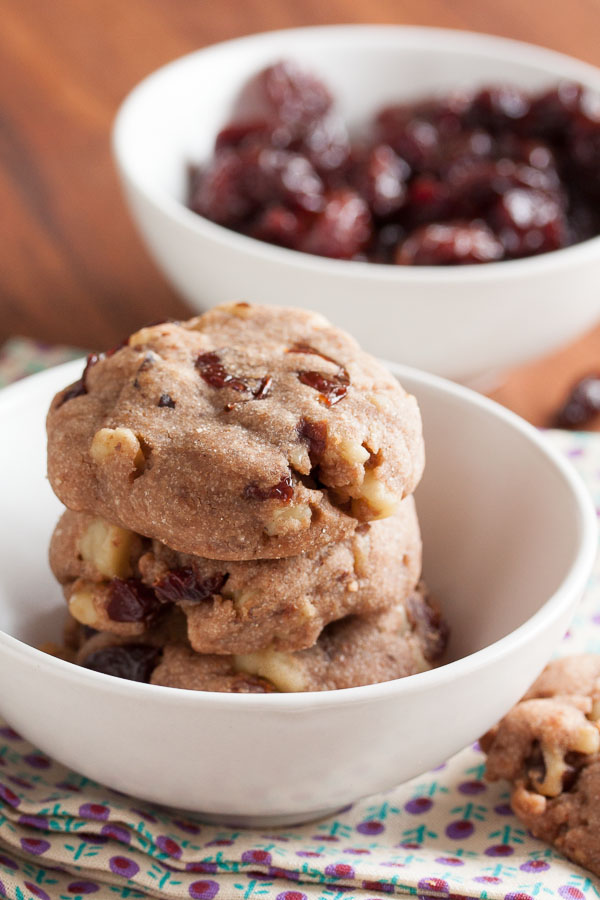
x,y
72,269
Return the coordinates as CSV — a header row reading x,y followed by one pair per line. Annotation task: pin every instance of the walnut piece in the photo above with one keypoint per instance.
x,y
289,519
108,548
110,443
281,669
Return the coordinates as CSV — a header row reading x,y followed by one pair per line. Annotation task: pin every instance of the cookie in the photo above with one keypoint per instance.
x,y
548,746
357,650
117,581
249,432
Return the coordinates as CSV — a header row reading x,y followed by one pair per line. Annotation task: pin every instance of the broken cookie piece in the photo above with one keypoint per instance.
x,y
548,746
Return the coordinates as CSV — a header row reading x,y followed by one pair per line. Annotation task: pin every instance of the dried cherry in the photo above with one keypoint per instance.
x,y
284,171
185,584
131,601
135,662
283,490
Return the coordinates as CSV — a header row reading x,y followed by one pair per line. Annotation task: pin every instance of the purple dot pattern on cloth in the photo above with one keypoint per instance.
x,y
40,822
37,761
570,892
437,885
472,787
460,830
204,867
535,865
291,895
37,846
121,865
339,870
289,874
503,809
499,850
37,891
67,786
203,890
93,838
8,861
262,857
188,827
83,887
116,832
20,782
168,846
418,805
95,811
9,796
146,816
370,827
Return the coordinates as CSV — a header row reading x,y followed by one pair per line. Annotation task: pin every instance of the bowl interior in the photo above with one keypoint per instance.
x,y
172,117
501,524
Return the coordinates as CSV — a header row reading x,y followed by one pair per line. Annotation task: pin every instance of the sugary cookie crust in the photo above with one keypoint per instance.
x,y
248,432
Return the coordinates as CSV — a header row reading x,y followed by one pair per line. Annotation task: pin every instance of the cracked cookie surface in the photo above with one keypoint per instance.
x,y
357,650
117,581
249,432
548,746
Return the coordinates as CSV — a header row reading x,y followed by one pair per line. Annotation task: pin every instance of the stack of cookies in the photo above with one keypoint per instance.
x,y
239,509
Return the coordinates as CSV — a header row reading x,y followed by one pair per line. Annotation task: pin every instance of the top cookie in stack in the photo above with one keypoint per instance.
x,y
221,476
247,433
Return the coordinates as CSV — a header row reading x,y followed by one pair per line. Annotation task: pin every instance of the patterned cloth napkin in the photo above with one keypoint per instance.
x,y
445,834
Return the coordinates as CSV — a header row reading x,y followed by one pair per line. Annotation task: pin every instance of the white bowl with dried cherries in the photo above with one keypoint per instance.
x,y
436,192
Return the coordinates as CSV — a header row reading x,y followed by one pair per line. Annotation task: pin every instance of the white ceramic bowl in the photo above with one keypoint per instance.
x,y
509,534
456,321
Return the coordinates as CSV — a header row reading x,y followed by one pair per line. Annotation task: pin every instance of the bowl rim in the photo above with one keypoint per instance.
x,y
560,65
571,586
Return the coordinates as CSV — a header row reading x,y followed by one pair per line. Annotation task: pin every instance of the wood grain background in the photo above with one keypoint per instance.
x,y
72,269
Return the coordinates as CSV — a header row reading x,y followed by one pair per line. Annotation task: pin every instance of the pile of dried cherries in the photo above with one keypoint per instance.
x,y
462,178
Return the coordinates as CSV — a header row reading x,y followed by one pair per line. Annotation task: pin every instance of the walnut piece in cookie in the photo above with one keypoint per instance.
x,y
548,746
249,432
108,576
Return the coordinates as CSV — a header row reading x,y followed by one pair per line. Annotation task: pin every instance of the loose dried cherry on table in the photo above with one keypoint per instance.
x,y
582,406
286,172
